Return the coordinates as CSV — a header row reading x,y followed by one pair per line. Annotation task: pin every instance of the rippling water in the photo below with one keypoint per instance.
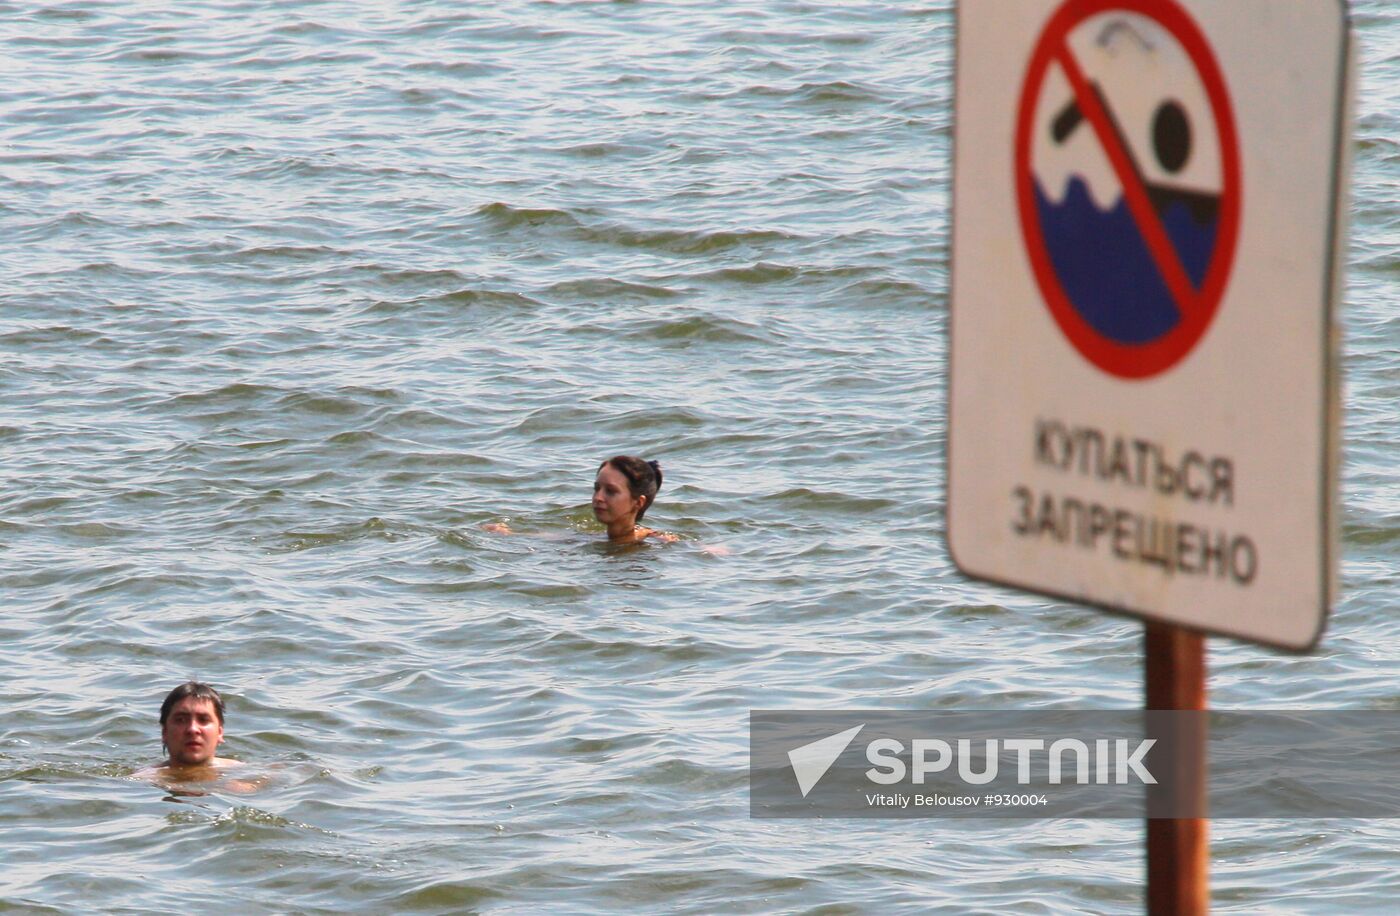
x,y
297,297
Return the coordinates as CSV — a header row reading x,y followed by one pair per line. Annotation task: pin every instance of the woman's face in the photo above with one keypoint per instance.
x,y
612,499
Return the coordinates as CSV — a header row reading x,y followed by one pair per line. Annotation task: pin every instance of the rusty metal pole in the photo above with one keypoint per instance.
x,y
1178,849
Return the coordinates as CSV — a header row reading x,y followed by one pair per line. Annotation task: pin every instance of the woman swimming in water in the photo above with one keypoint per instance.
x,y
623,491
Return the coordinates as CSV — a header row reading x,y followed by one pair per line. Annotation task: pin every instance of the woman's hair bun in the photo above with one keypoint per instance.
x,y
656,469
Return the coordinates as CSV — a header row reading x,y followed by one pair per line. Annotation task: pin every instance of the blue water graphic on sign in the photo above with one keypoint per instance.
x,y
1105,268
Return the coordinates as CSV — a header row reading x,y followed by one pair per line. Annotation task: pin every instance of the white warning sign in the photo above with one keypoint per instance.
x,y
1146,225
1128,182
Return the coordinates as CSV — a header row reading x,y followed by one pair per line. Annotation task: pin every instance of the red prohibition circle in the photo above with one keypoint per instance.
x,y
1131,360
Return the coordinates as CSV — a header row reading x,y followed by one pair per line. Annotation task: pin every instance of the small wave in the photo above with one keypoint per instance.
x,y
677,774
461,298
514,32
682,241
674,241
54,772
232,152
415,277
65,14
608,289
97,531
291,252
892,292
672,417
603,746
709,328
456,69
566,643
1378,141
356,437
260,444
445,896
759,272
78,219
820,502
323,404
235,394
296,541
508,217
603,150
554,592
303,58
764,38
415,685
415,96
42,504
1371,534
1381,259
118,581
304,27
838,91
248,816
294,167
55,334
157,56
553,418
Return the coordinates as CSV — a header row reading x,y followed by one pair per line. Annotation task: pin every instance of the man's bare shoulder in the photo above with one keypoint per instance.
x,y
166,768
217,771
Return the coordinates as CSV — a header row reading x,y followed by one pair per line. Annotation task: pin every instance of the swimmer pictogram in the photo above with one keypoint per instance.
x,y
1128,181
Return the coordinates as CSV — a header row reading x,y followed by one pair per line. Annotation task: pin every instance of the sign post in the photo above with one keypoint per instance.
x,y
1178,850
1143,394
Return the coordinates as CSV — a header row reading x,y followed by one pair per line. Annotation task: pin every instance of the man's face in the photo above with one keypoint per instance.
x,y
192,732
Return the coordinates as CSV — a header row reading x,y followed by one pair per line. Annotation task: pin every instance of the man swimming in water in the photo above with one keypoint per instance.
x,y
192,726
191,729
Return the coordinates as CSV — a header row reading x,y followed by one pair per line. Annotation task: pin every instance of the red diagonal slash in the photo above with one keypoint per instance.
x,y
1158,244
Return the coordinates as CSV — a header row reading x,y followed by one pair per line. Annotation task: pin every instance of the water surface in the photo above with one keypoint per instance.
x,y
298,297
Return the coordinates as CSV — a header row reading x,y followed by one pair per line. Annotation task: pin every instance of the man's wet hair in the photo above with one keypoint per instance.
x,y
196,690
